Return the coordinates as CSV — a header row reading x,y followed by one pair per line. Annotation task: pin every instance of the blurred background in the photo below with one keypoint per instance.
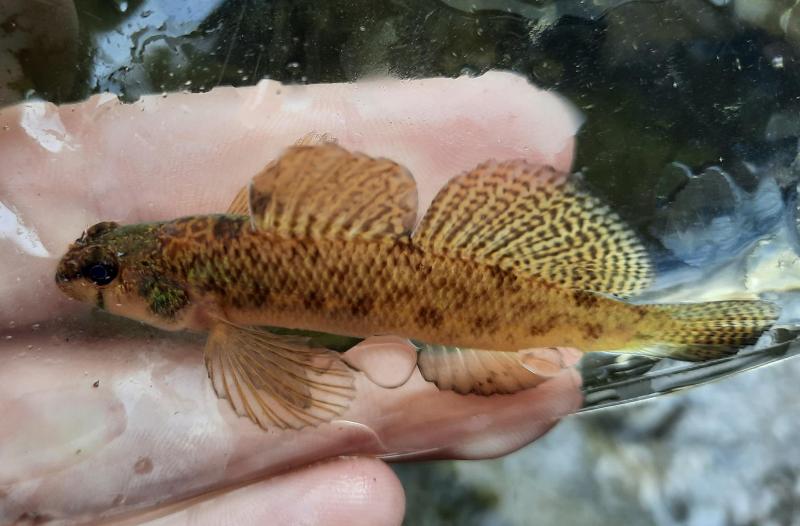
x,y
692,114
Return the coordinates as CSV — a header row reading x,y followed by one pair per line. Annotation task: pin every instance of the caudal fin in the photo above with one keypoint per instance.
x,y
698,332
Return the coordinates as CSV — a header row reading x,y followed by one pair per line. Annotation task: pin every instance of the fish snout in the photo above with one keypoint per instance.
x,y
68,270
68,279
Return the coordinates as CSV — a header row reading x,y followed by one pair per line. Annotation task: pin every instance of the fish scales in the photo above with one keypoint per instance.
x,y
360,288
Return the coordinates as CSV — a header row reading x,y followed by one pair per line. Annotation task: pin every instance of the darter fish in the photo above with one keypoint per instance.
x,y
510,256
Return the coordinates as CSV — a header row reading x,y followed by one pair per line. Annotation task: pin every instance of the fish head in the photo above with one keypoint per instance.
x,y
120,269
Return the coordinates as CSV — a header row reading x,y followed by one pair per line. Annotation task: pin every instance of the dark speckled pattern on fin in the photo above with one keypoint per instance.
x,y
696,332
537,222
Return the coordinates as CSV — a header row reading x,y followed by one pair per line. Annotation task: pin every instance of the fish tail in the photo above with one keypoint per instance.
x,y
698,332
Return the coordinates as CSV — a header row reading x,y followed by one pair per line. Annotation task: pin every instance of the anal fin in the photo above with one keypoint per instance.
x,y
475,371
275,380
696,332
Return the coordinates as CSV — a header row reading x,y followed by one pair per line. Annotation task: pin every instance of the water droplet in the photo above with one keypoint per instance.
x,y
145,14
122,5
187,83
163,94
12,324
5,127
362,28
293,65
7,337
777,62
36,326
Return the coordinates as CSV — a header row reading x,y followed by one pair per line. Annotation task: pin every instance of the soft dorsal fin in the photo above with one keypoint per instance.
x,y
538,222
325,191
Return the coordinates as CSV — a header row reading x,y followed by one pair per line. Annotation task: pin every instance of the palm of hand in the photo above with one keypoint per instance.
x,y
127,410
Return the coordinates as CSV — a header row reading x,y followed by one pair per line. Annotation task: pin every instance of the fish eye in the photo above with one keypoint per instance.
x,y
101,273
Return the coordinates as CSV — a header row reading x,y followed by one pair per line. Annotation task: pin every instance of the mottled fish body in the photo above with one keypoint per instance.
x,y
510,256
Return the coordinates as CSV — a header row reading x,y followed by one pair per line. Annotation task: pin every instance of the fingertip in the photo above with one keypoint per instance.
x,y
347,491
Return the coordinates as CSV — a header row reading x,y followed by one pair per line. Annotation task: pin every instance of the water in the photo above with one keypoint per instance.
x,y
686,119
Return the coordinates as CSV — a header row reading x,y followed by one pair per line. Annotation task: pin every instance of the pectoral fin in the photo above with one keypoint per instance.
x,y
474,371
275,380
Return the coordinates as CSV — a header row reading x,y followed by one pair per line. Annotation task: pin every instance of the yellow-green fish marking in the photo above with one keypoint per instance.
x,y
510,256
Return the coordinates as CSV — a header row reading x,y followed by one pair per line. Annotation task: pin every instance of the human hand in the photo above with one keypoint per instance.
x,y
103,417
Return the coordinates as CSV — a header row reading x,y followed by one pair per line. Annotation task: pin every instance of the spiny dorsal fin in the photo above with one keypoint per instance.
x,y
275,380
473,370
324,191
538,222
240,205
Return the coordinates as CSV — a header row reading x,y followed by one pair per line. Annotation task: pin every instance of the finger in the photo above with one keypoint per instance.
x,y
344,491
130,413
